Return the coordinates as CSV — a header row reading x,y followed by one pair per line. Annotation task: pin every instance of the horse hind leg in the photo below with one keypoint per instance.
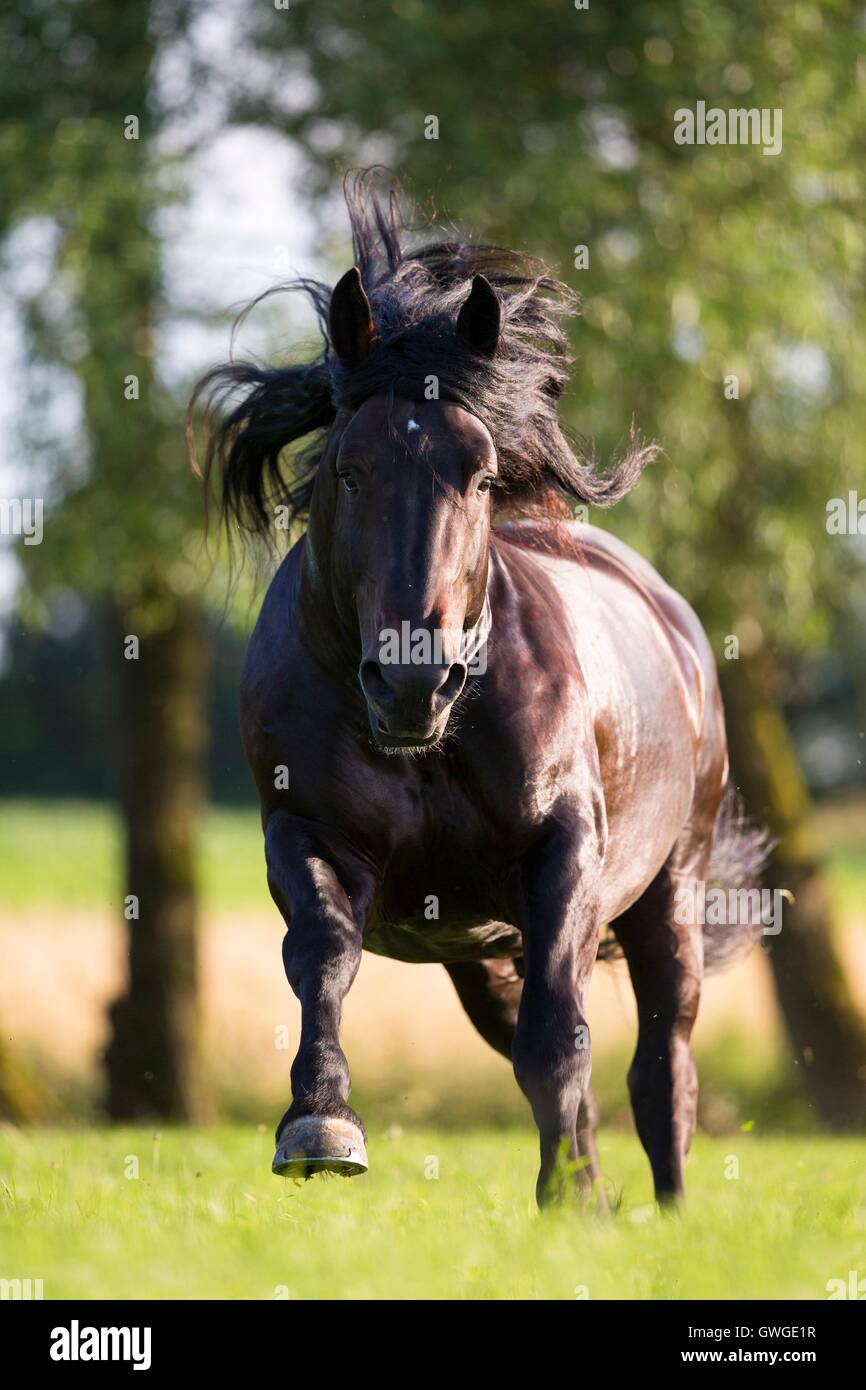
x,y
665,961
490,991
490,994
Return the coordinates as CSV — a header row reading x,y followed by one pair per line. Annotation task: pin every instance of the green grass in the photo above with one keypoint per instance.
x,y
67,854
205,1219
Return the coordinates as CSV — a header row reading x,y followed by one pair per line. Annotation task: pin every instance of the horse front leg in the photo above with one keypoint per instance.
x,y
490,991
551,1049
321,953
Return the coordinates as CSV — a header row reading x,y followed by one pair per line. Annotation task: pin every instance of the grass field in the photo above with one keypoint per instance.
x,y
83,867
206,1219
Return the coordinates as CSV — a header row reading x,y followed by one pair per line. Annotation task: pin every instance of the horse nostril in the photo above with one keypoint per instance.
x,y
454,681
414,694
373,683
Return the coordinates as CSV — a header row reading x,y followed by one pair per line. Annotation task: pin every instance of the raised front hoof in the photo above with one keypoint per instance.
x,y
314,1144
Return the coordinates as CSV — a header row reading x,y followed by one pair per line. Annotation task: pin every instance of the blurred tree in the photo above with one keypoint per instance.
x,y
21,1098
69,750
723,306
80,125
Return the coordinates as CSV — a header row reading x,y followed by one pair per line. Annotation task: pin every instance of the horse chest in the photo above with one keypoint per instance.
x,y
441,901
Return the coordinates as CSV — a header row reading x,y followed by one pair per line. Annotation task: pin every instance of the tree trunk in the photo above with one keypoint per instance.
x,y
822,1020
21,1097
153,1061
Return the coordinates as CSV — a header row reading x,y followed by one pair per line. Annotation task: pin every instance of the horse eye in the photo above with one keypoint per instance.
x,y
486,483
349,481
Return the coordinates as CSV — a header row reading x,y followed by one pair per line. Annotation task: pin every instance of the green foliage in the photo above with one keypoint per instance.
x,y
80,121
556,130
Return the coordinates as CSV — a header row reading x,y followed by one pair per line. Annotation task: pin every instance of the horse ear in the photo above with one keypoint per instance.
x,y
480,316
350,320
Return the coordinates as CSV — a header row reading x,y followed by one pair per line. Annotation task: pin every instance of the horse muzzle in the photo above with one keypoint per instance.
x,y
409,706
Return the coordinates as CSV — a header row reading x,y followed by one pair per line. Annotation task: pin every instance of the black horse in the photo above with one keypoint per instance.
x,y
476,744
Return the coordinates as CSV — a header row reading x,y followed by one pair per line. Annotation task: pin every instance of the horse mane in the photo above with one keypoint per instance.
x,y
253,414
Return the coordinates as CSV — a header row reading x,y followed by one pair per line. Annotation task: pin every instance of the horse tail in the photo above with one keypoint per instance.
x,y
738,857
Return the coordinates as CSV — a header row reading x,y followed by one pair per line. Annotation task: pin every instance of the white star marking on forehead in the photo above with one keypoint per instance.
x,y
412,427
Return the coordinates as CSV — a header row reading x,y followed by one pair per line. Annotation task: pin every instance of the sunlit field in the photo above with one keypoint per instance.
x,y
438,1216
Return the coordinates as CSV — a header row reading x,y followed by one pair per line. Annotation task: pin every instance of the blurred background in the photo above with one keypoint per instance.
x,y
165,162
